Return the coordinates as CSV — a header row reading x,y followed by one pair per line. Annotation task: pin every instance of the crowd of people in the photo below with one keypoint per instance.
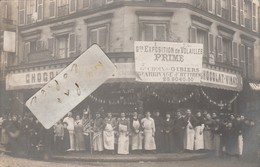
x,y
175,132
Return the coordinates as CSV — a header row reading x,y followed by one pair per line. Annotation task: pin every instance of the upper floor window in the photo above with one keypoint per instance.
x,y
154,32
21,12
62,46
86,4
227,45
62,8
254,20
99,35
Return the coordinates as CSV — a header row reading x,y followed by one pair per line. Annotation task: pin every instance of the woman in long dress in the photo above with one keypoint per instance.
x,y
108,133
136,134
123,138
189,131
208,133
79,135
199,140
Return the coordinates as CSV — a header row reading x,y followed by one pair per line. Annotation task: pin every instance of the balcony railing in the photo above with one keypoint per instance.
x,y
37,56
63,10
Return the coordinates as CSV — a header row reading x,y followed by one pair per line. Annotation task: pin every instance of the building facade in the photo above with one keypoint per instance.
x,y
52,33
8,18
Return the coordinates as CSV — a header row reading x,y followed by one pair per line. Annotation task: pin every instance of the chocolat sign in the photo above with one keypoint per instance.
x,y
168,62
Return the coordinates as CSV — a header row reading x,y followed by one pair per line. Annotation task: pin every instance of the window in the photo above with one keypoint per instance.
x,y
40,9
21,12
233,10
86,4
241,13
63,8
227,45
99,36
218,7
242,57
62,47
250,62
235,61
254,17
202,37
52,8
210,5
73,6
226,6
154,32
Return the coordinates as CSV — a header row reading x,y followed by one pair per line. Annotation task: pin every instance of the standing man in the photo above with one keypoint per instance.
x,y
87,128
149,132
179,127
168,136
98,144
70,121
123,138
108,133
158,120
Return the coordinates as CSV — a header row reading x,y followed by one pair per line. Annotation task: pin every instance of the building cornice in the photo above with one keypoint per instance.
x,y
63,26
119,4
99,18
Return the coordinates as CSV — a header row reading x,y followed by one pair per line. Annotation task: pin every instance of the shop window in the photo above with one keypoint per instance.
x,y
154,32
62,46
99,35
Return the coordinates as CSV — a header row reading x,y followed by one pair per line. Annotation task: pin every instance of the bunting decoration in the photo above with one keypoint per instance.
x,y
172,100
220,104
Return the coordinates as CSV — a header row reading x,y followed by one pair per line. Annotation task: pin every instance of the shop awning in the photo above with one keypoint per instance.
x,y
255,86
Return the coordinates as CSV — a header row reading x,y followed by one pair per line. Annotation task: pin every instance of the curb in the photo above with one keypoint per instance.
x,y
129,159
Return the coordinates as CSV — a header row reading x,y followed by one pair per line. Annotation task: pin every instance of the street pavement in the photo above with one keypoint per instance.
x,y
9,161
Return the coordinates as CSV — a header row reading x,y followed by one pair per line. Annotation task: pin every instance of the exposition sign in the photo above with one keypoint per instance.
x,y
168,62
71,86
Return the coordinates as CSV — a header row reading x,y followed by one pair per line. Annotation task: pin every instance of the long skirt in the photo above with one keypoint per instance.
x,y
208,140
136,141
149,142
240,145
199,141
109,140
98,144
79,141
123,143
189,138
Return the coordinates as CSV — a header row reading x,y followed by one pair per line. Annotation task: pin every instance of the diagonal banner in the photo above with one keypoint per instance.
x,y
71,86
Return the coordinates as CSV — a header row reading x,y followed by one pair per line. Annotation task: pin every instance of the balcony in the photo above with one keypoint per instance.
x,y
63,10
38,56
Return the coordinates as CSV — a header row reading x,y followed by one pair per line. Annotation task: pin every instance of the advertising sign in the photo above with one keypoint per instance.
x,y
168,62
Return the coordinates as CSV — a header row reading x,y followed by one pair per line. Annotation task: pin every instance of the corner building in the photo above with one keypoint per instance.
x,y
52,33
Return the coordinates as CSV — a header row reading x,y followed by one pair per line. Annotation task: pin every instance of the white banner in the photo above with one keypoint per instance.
x,y
9,41
71,86
168,62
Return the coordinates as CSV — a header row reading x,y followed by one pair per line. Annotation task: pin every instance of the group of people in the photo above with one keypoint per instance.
x,y
180,131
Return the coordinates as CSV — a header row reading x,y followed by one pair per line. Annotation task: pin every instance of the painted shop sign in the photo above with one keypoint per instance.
x,y
222,80
168,62
36,79
71,86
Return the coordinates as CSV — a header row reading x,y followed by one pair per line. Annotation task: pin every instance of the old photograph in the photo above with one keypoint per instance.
x,y
136,83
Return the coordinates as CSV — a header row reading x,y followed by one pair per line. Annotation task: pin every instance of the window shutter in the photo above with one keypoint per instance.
x,y
241,12
39,45
102,38
235,61
148,32
242,56
219,49
250,59
211,43
160,33
218,7
52,46
210,6
233,10
21,12
72,6
193,34
52,7
86,4
40,9
72,45
26,48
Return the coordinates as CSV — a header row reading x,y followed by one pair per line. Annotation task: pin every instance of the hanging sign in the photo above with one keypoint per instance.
x,y
71,86
168,62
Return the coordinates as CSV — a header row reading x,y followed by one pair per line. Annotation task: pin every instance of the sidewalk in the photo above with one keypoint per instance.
x,y
87,157
81,156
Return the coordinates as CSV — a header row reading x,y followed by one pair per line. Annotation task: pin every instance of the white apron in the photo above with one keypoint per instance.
x,y
123,140
108,137
136,137
199,140
189,137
